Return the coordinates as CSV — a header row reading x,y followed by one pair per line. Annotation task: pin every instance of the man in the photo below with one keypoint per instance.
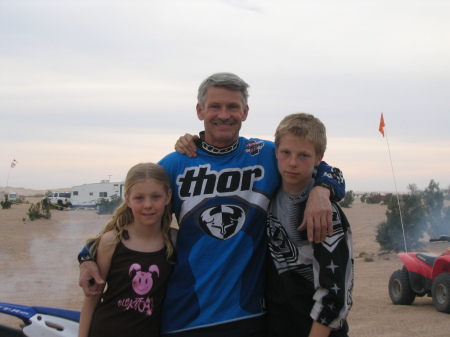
x,y
220,200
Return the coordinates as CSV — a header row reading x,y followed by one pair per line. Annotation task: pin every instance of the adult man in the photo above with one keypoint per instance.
x,y
220,200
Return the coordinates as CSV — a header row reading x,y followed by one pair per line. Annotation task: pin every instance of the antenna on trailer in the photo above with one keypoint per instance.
x,y
109,177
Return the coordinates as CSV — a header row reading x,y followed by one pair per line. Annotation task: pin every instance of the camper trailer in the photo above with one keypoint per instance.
x,y
12,196
89,195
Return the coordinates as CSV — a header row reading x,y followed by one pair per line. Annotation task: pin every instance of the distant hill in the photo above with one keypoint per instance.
x,y
30,192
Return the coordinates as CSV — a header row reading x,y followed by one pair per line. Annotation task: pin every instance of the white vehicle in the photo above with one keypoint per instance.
x,y
90,195
12,196
60,198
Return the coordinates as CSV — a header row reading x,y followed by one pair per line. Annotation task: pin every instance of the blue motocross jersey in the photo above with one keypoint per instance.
x,y
220,202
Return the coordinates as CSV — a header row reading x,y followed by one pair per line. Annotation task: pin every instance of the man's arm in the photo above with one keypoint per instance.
x,y
104,258
332,179
90,279
186,145
317,219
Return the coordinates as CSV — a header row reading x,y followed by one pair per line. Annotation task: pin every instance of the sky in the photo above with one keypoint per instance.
x,y
90,88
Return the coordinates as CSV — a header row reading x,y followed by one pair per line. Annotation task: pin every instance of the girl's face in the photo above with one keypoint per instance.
x,y
147,200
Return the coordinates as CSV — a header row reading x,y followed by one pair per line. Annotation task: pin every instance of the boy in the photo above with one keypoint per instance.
x,y
309,285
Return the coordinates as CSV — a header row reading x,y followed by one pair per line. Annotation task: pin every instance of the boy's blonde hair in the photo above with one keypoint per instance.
x,y
123,215
305,126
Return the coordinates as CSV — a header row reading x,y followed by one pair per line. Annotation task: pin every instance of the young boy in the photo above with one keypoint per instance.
x,y
309,285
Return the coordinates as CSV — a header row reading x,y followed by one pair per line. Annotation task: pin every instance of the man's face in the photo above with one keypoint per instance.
x,y
223,114
296,161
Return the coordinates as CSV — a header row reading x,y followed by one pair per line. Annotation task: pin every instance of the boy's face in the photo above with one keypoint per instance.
x,y
296,161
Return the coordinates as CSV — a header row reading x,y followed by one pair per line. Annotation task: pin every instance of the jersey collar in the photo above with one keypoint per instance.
x,y
214,150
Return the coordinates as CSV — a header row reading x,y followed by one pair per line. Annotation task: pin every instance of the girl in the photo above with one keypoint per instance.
x,y
135,256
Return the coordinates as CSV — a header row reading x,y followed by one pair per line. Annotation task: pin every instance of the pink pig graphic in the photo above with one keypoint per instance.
x,y
143,281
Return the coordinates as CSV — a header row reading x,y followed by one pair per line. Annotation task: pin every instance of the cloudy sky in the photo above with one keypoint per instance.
x,y
89,88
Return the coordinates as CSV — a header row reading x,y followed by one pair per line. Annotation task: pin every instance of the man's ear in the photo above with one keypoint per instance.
x,y
245,113
199,112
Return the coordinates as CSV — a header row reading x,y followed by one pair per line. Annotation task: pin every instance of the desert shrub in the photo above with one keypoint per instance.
x,y
6,203
39,210
373,198
422,211
348,199
447,193
363,254
414,219
387,199
108,206
20,199
364,197
438,216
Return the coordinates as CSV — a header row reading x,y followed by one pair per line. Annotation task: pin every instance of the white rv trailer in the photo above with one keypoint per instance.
x,y
12,196
89,195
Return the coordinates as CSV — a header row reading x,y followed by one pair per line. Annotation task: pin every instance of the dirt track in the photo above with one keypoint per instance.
x,y
38,267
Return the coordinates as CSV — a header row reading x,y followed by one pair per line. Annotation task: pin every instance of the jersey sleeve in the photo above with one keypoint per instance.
x,y
84,255
331,178
333,274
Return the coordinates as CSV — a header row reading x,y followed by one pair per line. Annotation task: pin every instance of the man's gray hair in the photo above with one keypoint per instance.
x,y
225,80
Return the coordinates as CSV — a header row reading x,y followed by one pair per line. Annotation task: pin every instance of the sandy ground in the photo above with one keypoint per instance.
x,y
38,267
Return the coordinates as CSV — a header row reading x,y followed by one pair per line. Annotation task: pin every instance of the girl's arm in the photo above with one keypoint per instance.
x,y
87,310
104,257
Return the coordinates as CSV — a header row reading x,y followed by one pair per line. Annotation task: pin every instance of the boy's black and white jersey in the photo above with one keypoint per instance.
x,y
319,276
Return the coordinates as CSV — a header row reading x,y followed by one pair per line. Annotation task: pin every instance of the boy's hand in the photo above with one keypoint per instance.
x,y
90,279
317,219
186,145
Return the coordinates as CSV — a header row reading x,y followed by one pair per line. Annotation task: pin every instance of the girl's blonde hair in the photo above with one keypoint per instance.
x,y
123,215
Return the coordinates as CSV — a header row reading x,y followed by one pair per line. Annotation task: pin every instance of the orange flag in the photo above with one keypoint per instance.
x,y
381,128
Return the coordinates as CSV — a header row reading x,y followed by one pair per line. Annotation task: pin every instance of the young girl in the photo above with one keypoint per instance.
x,y
135,256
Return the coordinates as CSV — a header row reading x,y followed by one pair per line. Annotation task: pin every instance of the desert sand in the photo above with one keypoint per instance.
x,y
38,266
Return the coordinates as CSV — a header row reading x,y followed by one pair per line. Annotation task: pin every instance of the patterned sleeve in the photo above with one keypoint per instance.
x,y
331,178
333,274
84,255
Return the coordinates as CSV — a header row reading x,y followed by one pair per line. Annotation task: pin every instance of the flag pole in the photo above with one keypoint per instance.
x,y
7,180
13,164
382,129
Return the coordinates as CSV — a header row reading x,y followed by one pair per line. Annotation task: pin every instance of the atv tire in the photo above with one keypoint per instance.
x,y
441,292
400,290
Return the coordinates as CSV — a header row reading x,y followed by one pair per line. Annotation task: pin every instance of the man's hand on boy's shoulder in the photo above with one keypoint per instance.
x,y
318,220
186,145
